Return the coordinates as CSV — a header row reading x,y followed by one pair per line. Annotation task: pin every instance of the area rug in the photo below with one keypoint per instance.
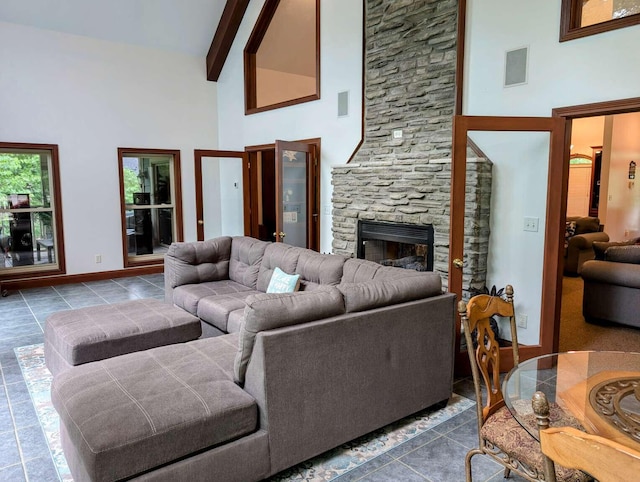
x,y
325,467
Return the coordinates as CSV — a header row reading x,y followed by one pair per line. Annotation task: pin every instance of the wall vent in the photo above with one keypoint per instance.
x,y
515,72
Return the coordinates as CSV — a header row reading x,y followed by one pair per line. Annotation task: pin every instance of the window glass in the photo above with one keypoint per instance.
x,y
149,205
282,55
28,233
581,18
598,11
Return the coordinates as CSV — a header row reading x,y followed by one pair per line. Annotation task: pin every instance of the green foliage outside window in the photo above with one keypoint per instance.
x,y
131,184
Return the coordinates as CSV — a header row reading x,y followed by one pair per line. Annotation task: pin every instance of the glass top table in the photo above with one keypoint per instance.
x,y
597,391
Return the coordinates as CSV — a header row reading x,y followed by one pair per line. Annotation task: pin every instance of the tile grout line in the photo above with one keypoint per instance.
x,y
13,421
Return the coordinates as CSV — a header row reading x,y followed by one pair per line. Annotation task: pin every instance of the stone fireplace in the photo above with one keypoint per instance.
x,y
410,61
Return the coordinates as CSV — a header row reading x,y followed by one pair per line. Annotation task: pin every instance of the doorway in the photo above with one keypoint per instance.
x,y
284,192
270,192
605,134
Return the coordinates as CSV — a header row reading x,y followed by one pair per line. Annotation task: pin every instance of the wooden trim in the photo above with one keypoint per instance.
x,y
611,107
198,154
558,174
197,169
177,204
225,34
38,282
559,167
57,208
462,21
279,105
257,35
571,14
364,70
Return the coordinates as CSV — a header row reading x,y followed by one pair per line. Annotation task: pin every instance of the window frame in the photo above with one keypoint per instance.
x,y
570,29
58,268
255,39
178,235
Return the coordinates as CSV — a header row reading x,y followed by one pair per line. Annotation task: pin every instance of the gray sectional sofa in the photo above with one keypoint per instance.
x,y
358,347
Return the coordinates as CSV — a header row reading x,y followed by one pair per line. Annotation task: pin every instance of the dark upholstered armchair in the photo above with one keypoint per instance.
x,y
612,285
580,235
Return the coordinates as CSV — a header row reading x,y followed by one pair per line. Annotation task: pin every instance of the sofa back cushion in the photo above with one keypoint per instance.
x,y
277,255
585,224
199,262
390,291
317,269
268,311
623,254
246,256
359,270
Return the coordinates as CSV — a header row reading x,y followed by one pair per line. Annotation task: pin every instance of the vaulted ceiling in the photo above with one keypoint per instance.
x,y
185,26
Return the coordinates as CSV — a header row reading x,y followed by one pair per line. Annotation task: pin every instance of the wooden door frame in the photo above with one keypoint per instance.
x,y
198,154
251,183
614,107
556,199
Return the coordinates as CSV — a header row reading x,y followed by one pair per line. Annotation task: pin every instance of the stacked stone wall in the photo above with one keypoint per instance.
x,y
410,62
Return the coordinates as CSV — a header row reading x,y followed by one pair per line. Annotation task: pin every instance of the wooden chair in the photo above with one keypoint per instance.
x,y
604,459
500,436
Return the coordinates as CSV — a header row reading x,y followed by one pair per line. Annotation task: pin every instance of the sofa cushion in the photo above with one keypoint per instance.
x,y
277,255
600,247
215,310
188,297
375,294
200,261
136,412
282,282
235,320
320,269
623,254
359,270
585,224
83,335
268,311
246,256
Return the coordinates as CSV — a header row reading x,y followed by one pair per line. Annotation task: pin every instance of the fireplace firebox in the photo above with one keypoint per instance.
x,y
392,244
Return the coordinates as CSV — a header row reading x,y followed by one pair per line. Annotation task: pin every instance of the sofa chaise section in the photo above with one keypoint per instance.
x,y
129,414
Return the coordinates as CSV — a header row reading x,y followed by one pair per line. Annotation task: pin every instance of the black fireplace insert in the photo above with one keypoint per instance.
x,y
392,244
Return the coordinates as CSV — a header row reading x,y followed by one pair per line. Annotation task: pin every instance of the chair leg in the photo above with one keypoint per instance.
x,y
507,472
467,462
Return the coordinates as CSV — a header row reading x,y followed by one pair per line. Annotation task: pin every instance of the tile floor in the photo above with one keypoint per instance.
x,y
436,455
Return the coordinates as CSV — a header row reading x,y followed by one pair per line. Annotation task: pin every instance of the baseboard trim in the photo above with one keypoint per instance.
x,y
40,281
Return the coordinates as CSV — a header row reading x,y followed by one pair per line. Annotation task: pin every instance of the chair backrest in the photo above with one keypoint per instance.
x,y
604,459
485,359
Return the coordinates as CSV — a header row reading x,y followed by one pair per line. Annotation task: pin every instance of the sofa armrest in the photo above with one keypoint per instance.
x,y
585,240
611,272
196,262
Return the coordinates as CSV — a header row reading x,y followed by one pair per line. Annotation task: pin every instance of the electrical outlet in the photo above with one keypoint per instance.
x,y
397,134
521,320
531,224
98,258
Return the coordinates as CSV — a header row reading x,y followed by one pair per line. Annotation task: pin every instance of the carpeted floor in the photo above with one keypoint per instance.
x,y
325,467
576,334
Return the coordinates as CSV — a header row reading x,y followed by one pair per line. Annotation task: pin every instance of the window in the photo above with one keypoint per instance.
x,y
581,18
151,209
31,239
282,56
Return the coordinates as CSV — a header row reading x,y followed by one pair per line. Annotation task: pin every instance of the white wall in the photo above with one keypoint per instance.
x,y
91,97
592,69
623,206
341,69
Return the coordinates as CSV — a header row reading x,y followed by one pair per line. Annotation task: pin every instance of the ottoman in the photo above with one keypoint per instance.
x,y
84,335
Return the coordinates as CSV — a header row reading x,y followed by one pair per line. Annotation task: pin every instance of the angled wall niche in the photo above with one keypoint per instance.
x,y
282,56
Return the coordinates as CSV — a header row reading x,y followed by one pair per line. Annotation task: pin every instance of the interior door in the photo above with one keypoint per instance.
x,y
547,136
221,207
296,198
